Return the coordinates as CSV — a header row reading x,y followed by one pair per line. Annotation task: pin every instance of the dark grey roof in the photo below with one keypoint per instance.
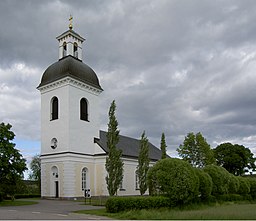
x,y
73,67
129,146
70,31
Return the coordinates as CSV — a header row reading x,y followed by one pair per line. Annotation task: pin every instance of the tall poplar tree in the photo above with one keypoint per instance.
x,y
143,166
114,163
163,146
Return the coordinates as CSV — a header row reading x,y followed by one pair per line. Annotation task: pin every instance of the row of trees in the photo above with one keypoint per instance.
x,y
236,159
114,163
183,183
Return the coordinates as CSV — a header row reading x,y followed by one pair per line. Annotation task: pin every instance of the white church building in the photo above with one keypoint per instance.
x,y
73,149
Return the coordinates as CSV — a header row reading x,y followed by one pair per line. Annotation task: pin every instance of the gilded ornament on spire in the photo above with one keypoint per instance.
x,y
70,22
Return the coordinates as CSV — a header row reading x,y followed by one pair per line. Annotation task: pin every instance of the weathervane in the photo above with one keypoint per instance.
x,y
70,22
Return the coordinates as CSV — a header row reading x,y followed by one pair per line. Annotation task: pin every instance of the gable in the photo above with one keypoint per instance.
x,y
129,146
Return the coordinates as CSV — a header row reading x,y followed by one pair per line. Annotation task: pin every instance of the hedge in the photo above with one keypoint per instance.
x,y
205,184
117,204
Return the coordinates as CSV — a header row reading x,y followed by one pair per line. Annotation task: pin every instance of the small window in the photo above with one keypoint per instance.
x,y
137,186
64,49
75,50
84,109
84,170
54,108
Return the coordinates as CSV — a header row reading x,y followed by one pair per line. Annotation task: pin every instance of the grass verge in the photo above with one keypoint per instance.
x,y
229,211
17,203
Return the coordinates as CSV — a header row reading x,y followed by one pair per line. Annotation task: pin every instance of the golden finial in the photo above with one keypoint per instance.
x,y
70,22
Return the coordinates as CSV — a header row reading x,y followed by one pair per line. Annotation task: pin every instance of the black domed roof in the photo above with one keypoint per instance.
x,y
70,66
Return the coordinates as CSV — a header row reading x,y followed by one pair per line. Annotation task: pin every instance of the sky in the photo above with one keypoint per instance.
x,y
172,66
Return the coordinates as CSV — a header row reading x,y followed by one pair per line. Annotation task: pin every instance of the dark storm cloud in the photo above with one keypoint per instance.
x,y
172,66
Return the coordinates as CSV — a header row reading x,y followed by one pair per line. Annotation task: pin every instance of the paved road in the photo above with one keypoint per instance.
x,y
48,209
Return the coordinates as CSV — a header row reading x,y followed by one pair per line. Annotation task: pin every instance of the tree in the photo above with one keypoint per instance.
x,y
236,159
163,146
12,164
114,163
35,167
196,150
174,178
143,166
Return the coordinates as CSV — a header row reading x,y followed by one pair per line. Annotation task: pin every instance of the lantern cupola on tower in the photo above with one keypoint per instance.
x,y
70,43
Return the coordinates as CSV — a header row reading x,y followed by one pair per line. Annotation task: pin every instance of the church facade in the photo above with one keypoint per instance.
x,y
73,149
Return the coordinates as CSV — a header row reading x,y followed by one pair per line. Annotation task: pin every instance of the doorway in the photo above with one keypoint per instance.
x,y
56,189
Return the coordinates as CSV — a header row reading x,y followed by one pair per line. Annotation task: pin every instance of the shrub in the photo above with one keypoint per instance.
x,y
230,197
244,186
252,182
117,204
175,179
233,184
205,184
1,196
220,178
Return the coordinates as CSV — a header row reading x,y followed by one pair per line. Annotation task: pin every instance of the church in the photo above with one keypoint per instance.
x,y
73,148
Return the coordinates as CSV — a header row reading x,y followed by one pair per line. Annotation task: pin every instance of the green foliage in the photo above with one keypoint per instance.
x,y
205,184
233,184
234,158
244,186
196,150
35,167
118,204
143,164
174,178
252,182
220,178
12,164
114,163
163,146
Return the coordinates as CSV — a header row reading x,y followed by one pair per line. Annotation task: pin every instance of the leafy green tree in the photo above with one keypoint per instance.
x,y
205,184
35,166
220,178
12,164
163,146
114,163
236,159
174,178
143,166
196,150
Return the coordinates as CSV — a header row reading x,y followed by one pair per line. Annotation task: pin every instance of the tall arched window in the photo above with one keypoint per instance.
x,y
84,109
84,171
54,108
75,50
64,49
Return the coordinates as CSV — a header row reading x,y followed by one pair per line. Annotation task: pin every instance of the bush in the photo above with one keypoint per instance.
x,y
117,204
220,178
244,186
230,197
233,184
175,179
205,184
252,182
1,196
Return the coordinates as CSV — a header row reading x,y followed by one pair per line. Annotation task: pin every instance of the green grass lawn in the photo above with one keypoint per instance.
x,y
217,212
17,203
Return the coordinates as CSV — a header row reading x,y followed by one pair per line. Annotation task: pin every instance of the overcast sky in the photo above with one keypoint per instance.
x,y
173,66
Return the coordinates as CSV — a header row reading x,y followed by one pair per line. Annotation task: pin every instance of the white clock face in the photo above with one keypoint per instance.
x,y
54,143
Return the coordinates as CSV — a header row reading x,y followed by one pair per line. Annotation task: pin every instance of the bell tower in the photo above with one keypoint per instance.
x,y
70,99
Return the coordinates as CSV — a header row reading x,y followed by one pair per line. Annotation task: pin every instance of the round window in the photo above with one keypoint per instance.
x,y
54,143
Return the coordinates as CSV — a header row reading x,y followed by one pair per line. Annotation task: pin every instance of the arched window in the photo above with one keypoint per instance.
x,y
54,108
64,49
75,50
84,109
84,171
